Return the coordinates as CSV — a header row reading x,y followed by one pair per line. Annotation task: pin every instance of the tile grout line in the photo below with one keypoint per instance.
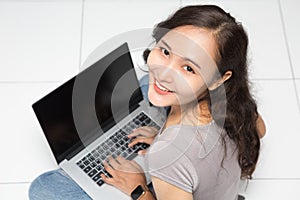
x,y
289,55
27,82
271,79
276,179
13,183
59,81
81,34
254,179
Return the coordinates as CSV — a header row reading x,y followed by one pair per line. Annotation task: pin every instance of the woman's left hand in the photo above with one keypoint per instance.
x,y
126,175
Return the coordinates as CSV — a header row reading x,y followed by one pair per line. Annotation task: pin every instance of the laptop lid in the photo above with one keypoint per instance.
x,y
116,92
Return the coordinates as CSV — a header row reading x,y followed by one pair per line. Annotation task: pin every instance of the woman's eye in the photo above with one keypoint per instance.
x,y
165,51
189,69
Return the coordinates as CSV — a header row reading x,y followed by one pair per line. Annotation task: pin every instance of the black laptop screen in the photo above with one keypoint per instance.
x,y
80,110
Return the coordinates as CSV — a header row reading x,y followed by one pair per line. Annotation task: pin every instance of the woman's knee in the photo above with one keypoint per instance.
x,y
55,185
42,186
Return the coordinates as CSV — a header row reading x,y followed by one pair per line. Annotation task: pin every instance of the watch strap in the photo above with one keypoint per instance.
x,y
139,192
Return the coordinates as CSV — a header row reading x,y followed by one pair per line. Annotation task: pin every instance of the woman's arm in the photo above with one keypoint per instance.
x,y
166,191
260,126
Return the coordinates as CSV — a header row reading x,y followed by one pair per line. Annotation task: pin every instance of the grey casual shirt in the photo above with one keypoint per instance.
x,y
192,158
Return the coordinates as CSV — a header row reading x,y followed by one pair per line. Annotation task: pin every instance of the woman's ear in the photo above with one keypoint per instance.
x,y
219,82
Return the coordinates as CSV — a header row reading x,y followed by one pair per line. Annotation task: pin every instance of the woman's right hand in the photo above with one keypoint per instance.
x,y
144,134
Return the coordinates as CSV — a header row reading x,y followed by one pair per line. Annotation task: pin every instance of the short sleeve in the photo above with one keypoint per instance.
x,y
168,163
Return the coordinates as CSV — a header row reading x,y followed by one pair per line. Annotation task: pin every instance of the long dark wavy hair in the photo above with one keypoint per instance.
x,y
232,45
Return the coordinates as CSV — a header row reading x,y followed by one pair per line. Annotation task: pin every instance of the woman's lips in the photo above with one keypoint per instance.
x,y
161,89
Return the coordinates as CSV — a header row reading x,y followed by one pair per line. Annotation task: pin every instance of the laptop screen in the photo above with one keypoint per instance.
x,y
83,108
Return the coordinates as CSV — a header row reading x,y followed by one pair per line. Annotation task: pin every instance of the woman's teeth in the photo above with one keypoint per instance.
x,y
161,87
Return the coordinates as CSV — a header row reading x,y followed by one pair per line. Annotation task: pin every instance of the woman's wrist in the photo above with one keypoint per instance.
x,y
148,196
142,192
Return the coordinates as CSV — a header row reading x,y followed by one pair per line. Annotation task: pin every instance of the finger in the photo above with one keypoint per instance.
x,y
109,169
145,131
113,163
121,160
151,129
107,180
134,133
142,152
136,141
141,140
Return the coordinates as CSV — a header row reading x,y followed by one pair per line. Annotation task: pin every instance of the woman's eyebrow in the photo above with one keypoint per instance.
x,y
192,62
165,43
185,58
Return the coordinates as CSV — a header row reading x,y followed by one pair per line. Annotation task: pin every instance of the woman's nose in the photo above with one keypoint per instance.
x,y
165,73
169,72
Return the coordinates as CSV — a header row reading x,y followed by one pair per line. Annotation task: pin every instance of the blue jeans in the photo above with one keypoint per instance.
x,y
56,185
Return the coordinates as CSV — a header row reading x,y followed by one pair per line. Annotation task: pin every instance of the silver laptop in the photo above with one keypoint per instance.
x,y
88,118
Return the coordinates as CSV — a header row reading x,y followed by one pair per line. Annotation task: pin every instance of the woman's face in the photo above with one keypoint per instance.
x,y
181,65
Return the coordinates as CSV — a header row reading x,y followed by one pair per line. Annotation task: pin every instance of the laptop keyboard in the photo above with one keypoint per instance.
x,y
115,145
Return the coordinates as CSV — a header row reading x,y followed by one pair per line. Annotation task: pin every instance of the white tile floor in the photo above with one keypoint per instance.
x,y
39,40
290,15
44,42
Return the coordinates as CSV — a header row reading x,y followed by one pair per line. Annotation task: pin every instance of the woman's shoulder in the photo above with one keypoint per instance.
x,y
188,139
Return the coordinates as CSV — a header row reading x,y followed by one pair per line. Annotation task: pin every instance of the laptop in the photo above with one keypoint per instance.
x,y
88,118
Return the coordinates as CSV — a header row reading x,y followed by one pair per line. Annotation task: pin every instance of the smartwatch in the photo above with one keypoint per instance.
x,y
138,192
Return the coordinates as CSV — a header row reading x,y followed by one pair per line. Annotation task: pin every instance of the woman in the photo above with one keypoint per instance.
x,y
210,140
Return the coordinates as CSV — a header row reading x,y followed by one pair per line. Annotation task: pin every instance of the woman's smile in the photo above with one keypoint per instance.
x,y
161,89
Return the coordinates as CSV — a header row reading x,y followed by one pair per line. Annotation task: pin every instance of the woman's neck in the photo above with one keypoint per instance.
x,y
190,115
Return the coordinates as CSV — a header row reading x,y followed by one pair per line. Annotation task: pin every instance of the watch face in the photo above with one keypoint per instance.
x,y
137,192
